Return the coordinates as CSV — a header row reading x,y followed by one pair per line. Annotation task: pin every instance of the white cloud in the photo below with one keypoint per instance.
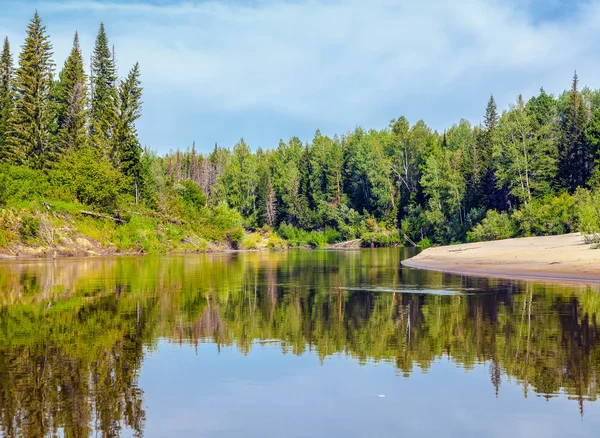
x,y
339,62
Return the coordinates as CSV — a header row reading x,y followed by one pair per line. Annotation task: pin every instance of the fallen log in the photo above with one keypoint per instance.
x,y
119,220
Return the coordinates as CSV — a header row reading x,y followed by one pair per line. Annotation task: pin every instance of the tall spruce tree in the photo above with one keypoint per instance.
x,y
126,146
72,102
6,103
575,161
29,125
104,95
488,139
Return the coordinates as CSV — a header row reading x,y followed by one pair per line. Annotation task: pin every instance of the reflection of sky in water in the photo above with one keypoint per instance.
x,y
405,290
266,393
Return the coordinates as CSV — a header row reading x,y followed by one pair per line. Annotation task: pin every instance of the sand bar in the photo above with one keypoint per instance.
x,y
561,258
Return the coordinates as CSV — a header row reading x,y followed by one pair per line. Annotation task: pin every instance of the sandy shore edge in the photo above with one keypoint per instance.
x,y
564,258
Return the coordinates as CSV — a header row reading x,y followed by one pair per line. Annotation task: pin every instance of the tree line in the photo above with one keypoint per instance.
x,y
529,170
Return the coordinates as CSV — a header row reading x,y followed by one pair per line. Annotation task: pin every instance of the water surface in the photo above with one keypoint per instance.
x,y
297,344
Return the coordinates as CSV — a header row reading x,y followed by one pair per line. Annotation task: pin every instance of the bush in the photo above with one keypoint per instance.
x,y
191,194
276,242
548,216
90,178
588,213
21,183
30,227
495,226
251,241
424,243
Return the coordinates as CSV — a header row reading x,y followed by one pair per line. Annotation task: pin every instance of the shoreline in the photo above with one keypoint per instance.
x,y
563,258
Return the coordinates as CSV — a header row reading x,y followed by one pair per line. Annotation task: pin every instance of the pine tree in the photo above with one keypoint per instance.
x,y
126,146
493,195
104,95
575,161
30,122
72,102
6,103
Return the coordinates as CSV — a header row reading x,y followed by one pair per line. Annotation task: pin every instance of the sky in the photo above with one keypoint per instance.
x,y
216,71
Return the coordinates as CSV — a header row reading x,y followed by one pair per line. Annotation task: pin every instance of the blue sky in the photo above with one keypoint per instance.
x,y
216,71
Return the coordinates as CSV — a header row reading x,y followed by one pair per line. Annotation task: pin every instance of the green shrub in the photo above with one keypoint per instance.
x,y
30,227
88,177
251,241
19,183
317,239
494,226
276,242
191,194
548,216
424,243
588,213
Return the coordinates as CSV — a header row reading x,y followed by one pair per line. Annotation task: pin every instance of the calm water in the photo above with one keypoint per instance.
x,y
298,344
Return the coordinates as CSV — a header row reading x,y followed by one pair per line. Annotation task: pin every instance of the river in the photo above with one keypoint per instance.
x,y
291,344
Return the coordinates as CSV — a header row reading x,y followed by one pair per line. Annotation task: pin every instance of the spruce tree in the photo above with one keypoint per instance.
x,y
6,103
493,196
575,161
126,146
29,125
104,95
72,102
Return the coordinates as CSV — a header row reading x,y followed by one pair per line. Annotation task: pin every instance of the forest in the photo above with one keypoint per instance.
x,y
69,144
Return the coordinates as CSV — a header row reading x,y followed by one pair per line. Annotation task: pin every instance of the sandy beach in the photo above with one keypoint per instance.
x,y
565,257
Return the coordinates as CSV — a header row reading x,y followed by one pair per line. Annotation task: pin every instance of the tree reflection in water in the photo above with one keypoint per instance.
x,y
73,334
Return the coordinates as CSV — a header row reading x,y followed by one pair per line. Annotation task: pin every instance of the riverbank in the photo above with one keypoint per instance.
x,y
566,258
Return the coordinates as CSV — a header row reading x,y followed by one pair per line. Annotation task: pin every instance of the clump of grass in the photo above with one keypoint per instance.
x,y
251,241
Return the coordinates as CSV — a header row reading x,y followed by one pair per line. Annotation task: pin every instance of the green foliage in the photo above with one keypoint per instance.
x,y
547,216
6,102
276,243
494,226
29,125
30,227
71,102
424,243
19,183
192,195
251,241
104,95
588,212
89,178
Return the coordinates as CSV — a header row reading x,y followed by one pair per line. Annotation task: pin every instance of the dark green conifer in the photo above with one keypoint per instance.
x,y
104,95
126,146
575,161
6,103
72,102
29,124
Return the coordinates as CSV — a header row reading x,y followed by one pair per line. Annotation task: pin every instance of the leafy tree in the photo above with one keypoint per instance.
x,y
6,101
523,160
104,96
30,122
239,183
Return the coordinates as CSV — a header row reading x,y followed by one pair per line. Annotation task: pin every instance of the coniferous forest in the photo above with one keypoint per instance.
x,y
73,165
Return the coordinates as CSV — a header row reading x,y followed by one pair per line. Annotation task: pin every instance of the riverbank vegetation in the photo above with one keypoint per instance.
x,y
69,147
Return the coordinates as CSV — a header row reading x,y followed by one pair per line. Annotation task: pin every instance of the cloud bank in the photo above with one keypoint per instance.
x,y
215,71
